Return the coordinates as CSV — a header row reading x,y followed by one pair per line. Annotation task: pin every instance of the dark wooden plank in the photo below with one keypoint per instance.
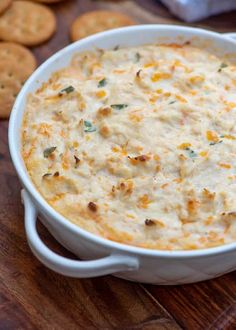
x,y
12,315
210,304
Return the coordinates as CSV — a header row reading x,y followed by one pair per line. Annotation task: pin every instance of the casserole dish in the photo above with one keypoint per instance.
x,y
104,256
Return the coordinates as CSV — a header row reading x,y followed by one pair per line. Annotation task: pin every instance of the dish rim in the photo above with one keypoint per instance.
x,y
39,200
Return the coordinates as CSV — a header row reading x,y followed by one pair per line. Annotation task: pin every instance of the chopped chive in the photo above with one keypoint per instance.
x,y
119,106
222,66
172,102
89,128
137,57
67,90
87,123
191,152
213,143
102,83
48,151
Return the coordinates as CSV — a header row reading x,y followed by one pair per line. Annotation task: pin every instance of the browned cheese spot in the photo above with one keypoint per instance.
x,y
92,207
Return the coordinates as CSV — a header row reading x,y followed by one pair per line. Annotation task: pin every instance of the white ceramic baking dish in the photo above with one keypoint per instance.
x,y
103,256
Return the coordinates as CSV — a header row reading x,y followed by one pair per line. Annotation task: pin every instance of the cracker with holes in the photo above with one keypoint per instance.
x,y
18,54
97,21
27,23
4,4
12,78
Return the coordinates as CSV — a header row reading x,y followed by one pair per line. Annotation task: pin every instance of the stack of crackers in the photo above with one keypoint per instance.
x,y
22,23
26,23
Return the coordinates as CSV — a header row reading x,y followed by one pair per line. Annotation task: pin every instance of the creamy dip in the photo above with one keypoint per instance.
x,y
138,145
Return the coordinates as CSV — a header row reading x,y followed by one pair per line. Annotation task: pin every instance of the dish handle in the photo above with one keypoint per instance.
x,y
65,266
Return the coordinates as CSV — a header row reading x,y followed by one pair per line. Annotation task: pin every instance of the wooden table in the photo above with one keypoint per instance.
x,y
33,297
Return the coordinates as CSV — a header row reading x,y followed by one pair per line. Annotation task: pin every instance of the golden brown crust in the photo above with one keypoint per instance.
x,y
27,23
97,21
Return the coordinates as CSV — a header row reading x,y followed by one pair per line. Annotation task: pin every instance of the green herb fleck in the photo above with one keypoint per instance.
x,y
48,151
137,57
90,130
89,127
87,123
102,83
222,66
213,143
119,106
67,90
172,102
191,152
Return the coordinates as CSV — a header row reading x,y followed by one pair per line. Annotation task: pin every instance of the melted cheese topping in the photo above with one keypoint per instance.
x,y
138,145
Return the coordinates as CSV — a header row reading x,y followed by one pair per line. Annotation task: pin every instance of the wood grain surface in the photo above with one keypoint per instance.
x,y
33,297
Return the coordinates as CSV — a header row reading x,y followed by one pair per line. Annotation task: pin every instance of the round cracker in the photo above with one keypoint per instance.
x,y
12,78
49,1
45,1
4,4
19,55
27,23
97,21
